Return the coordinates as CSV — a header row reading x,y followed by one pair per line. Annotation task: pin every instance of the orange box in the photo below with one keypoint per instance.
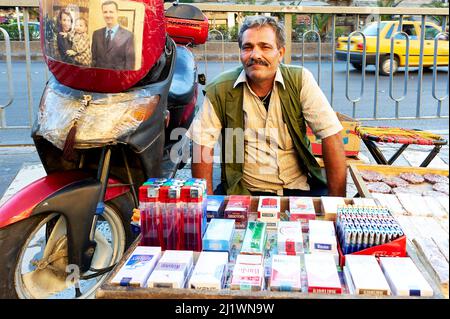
x,y
350,138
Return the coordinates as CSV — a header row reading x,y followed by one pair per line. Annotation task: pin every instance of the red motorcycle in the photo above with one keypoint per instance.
x,y
62,234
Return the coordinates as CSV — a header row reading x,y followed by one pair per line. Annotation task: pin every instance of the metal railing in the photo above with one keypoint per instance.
x,y
287,13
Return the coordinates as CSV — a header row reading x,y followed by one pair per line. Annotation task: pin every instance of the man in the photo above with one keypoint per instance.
x,y
260,109
112,46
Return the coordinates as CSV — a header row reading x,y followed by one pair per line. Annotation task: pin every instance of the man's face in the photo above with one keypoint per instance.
x,y
259,54
110,14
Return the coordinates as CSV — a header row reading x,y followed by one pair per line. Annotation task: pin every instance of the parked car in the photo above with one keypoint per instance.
x,y
387,29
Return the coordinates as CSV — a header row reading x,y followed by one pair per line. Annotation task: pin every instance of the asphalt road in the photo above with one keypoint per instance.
x,y
17,114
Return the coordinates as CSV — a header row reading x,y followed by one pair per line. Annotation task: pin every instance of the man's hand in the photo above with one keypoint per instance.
x,y
335,165
202,165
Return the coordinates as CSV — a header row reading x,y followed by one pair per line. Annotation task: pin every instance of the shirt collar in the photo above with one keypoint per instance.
x,y
114,29
242,78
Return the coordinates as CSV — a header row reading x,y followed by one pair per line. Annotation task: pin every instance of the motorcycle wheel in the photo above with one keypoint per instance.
x,y
23,244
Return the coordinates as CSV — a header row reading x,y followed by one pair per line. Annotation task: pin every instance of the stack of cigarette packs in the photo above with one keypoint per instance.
x,y
172,269
255,238
290,238
214,206
137,267
237,208
219,235
322,275
269,208
248,273
404,277
286,273
322,238
364,276
302,209
359,228
210,271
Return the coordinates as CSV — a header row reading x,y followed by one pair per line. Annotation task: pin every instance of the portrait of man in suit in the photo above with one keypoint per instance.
x,y
113,45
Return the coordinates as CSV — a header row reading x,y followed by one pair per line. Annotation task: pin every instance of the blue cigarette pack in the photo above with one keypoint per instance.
x,y
215,206
219,235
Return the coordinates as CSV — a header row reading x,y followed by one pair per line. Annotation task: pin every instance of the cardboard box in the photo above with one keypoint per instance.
x,y
350,138
210,271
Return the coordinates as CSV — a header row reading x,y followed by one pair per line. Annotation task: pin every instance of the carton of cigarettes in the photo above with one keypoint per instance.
x,y
322,275
269,207
322,236
248,273
285,274
138,267
237,208
172,269
254,238
214,206
219,235
271,224
301,209
404,277
365,276
364,202
330,206
290,238
210,271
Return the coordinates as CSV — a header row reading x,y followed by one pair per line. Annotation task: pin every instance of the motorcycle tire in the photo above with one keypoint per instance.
x,y
14,237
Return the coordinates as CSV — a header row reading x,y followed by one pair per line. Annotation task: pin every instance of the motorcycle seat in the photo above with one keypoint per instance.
x,y
183,83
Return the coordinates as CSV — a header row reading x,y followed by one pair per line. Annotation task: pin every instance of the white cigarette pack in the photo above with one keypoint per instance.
x,y
322,275
210,271
322,237
290,238
301,209
366,275
137,267
404,277
248,273
330,206
172,269
269,207
364,202
286,273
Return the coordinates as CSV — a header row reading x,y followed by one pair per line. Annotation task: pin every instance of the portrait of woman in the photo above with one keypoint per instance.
x,y
63,38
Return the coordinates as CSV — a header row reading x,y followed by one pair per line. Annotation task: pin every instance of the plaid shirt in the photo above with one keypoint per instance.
x,y
81,45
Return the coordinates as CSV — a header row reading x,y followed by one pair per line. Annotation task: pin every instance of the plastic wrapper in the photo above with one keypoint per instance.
x,y
102,46
107,118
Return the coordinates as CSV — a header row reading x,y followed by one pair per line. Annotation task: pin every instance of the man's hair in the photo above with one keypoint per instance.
x,y
110,2
262,21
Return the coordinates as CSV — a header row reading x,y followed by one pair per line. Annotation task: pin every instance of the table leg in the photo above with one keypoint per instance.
x,y
375,151
431,156
397,154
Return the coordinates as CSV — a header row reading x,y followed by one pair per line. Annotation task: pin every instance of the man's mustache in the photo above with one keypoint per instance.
x,y
257,61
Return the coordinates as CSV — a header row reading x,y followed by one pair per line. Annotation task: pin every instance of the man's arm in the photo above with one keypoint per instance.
x,y
335,165
202,165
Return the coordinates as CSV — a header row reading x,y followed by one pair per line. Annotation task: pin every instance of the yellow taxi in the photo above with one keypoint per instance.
x,y
387,30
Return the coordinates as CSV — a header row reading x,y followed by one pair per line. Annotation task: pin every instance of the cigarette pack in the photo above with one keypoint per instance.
x,y
404,277
330,206
366,275
364,202
302,209
214,206
322,275
219,235
290,238
172,269
322,237
237,208
254,238
138,267
248,273
269,207
210,271
271,223
285,274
